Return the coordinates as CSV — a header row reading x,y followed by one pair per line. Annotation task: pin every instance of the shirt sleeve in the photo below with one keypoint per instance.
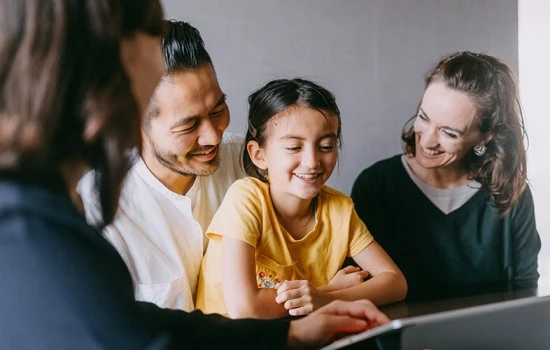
x,y
525,242
199,330
240,214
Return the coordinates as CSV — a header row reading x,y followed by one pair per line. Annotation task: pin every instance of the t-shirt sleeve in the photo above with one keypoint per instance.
x,y
240,214
525,241
360,237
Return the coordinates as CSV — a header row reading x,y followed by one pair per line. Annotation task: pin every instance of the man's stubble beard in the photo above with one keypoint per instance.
x,y
170,161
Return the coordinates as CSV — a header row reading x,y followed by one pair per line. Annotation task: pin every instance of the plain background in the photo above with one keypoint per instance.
x,y
373,55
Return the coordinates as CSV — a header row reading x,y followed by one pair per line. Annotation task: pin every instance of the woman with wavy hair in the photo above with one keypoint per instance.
x,y
455,211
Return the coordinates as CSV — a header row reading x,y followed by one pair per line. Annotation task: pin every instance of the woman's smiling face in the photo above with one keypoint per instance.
x,y
446,127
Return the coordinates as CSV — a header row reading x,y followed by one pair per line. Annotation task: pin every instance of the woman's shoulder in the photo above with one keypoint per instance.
x,y
380,170
387,164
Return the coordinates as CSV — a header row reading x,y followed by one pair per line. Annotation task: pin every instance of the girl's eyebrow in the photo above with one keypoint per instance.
x,y
324,136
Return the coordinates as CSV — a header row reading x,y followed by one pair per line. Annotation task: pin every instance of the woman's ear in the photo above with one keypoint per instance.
x,y
257,154
485,139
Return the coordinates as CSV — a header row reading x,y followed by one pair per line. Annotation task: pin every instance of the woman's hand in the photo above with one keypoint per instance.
x,y
300,298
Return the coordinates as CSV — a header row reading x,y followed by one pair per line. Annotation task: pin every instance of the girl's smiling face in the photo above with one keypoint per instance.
x,y
300,152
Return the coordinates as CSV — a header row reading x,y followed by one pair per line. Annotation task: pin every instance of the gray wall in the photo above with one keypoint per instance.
x,y
372,55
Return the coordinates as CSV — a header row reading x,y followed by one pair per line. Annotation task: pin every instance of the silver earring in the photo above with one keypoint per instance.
x,y
480,150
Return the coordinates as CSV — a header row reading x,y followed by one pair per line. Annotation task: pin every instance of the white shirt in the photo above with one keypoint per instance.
x,y
159,233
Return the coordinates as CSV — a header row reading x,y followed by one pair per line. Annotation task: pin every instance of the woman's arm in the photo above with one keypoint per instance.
x,y
525,242
242,296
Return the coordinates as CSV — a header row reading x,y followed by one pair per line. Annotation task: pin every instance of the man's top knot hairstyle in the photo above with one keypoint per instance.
x,y
183,47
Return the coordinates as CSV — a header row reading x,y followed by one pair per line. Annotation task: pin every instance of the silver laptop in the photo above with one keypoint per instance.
x,y
514,324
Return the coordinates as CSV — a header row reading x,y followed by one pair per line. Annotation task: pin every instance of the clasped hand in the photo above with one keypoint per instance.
x,y
300,298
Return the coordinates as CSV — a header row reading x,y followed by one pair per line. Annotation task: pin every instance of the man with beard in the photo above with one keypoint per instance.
x,y
178,182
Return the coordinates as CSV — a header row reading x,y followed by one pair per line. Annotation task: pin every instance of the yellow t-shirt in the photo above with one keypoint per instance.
x,y
247,213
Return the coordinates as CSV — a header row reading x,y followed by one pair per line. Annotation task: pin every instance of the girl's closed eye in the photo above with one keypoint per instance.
x,y
293,148
327,147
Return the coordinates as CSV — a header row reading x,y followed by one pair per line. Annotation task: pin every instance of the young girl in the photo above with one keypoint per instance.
x,y
280,236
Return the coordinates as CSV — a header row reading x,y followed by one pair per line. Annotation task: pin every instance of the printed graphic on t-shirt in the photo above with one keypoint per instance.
x,y
267,280
269,272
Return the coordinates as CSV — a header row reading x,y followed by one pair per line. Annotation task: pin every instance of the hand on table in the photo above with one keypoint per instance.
x,y
337,319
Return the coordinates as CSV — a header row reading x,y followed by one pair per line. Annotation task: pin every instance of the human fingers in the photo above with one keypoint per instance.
x,y
350,269
301,301
293,294
359,309
290,285
320,328
363,274
302,310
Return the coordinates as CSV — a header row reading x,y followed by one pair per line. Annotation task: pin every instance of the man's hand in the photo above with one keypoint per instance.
x,y
337,319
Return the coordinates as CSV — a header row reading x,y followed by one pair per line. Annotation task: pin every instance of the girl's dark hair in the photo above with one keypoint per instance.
x,y
276,97
492,86
60,70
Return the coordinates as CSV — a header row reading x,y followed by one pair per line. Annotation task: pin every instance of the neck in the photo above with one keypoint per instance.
x,y
445,177
296,215
173,181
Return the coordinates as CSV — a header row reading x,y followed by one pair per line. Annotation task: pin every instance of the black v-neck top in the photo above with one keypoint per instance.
x,y
471,249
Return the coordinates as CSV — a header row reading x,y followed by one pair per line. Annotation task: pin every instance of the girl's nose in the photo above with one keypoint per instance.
x,y
310,159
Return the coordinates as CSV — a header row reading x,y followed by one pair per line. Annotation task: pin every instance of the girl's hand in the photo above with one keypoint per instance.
x,y
300,298
349,276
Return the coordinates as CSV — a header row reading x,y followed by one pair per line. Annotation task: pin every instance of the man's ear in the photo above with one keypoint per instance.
x,y
257,154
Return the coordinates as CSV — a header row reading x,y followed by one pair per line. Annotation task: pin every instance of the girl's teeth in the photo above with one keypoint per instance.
x,y
307,176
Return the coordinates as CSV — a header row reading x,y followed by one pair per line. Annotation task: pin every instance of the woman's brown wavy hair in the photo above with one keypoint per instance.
x,y
492,85
60,68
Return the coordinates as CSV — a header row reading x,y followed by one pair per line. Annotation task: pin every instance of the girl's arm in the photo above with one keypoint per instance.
x,y
387,284
243,298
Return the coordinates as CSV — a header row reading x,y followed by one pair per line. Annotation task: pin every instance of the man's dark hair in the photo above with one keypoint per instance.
x,y
183,47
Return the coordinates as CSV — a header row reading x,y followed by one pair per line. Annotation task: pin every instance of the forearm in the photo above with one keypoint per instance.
x,y
258,304
385,288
